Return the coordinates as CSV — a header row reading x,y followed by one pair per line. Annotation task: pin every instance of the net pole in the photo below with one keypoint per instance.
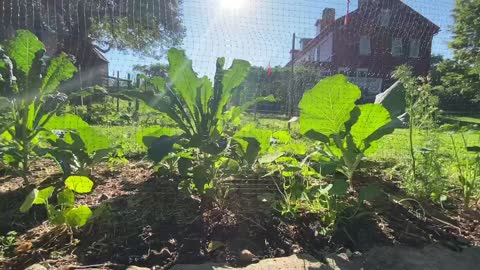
x,y
290,92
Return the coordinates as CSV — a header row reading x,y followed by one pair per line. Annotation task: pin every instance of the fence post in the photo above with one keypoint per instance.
x,y
129,88
137,103
290,92
118,90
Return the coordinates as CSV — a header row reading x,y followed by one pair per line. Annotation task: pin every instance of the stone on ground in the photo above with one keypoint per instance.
x,y
433,257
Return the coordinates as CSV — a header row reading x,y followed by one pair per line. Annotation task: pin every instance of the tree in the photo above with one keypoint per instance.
x,y
457,81
153,70
146,26
466,42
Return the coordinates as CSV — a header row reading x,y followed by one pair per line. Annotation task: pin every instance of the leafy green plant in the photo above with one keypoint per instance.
x,y
421,107
194,104
72,154
200,145
64,212
431,172
467,165
305,191
30,92
328,113
7,243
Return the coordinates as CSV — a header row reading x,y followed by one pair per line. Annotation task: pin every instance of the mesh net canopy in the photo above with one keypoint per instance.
x,y
364,40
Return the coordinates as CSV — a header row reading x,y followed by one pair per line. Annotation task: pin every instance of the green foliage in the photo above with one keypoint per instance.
x,y
457,80
197,107
77,152
328,114
466,43
30,99
421,107
467,168
7,243
64,212
159,25
305,191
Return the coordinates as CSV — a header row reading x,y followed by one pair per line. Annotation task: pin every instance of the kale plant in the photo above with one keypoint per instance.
x,y
27,88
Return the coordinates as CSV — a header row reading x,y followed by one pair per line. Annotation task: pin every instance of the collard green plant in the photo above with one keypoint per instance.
x,y
198,107
64,212
29,89
328,113
71,152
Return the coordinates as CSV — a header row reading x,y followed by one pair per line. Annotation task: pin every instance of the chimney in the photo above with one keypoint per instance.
x,y
328,18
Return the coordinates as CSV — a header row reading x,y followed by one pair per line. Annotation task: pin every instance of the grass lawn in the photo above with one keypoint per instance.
x,y
126,136
391,147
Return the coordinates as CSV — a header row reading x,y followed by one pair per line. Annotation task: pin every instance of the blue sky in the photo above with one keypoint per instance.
x,y
260,31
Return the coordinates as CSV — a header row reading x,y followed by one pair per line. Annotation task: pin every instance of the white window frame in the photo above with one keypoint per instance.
x,y
362,70
366,49
414,48
385,17
397,47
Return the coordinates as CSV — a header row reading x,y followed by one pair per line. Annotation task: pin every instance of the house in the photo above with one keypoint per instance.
x,y
91,64
369,44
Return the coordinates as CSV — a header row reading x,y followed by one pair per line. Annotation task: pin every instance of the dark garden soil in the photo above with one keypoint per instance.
x,y
144,220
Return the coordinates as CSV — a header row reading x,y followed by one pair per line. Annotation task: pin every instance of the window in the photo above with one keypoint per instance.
x,y
362,72
385,15
364,45
397,47
343,70
414,51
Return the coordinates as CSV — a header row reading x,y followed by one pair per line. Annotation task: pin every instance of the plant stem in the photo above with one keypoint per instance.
x,y
25,144
412,151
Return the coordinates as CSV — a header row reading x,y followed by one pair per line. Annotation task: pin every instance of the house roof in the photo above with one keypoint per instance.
x,y
100,55
357,15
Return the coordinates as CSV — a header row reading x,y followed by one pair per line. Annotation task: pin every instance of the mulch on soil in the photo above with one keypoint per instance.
x,y
145,220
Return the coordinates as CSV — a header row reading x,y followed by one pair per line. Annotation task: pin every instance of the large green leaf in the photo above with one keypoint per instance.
x,y
159,147
232,78
372,118
270,157
43,195
154,131
92,139
29,200
66,198
79,184
262,136
77,217
59,70
23,49
65,122
184,79
206,93
200,177
327,106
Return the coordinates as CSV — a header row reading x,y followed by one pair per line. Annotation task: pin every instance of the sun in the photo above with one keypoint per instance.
x,y
233,4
